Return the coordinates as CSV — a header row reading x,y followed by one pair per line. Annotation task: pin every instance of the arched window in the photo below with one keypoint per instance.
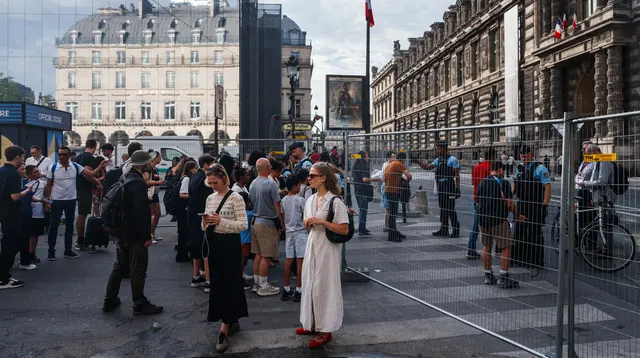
x,y
294,37
199,23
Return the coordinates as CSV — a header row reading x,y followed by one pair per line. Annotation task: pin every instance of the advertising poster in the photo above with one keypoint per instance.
x,y
344,102
54,142
8,137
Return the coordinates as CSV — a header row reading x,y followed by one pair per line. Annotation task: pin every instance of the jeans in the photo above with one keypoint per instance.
x,y
69,209
363,205
473,235
394,200
9,246
132,258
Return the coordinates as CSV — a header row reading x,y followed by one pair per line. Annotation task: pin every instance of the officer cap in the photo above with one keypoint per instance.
x,y
296,145
524,149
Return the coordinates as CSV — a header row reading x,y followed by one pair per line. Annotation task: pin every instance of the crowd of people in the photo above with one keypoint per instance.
x,y
227,214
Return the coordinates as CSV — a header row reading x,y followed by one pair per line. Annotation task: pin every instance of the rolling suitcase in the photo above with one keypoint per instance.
x,y
95,235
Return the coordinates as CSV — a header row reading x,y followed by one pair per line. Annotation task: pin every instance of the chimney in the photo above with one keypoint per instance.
x,y
144,7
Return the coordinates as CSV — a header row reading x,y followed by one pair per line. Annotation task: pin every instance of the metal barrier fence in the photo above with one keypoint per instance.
x,y
540,308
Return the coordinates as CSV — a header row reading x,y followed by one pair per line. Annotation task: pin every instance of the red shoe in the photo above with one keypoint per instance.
x,y
303,332
320,341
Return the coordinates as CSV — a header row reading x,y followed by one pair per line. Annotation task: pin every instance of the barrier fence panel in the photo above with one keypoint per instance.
x,y
432,257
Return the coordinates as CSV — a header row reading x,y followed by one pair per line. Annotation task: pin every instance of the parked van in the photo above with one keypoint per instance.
x,y
169,147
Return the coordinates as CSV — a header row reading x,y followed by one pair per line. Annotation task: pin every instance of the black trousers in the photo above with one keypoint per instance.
x,y
132,259
183,233
394,201
528,241
9,245
447,203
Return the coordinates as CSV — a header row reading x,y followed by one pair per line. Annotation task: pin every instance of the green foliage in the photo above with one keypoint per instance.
x,y
12,91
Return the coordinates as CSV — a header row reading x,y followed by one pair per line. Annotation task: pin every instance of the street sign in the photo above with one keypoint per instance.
x,y
592,158
219,101
302,137
277,152
299,126
402,151
356,156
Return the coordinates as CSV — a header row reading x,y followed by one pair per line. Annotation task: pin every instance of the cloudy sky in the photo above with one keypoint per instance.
x,y
336,28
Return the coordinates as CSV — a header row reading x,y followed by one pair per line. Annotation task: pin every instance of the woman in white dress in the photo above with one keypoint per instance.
x,y
321,308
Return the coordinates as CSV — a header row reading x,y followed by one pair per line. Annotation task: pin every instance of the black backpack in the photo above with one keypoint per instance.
x,y
620,183
178,205
113,207
167,197
111,178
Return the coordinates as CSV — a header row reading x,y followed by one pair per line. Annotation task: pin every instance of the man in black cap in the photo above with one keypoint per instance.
x,y
532,187
448,183
298,154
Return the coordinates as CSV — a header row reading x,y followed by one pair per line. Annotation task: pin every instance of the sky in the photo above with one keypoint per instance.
x,y
337,29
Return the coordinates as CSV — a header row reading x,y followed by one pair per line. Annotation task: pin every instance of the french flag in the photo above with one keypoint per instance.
x,y
557,33
564,21
368,13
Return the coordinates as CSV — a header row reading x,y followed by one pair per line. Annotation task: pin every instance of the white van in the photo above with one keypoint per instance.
x,y
169,147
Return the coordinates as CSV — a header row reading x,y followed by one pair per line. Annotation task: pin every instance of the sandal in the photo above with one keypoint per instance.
x,y
320,340
303,332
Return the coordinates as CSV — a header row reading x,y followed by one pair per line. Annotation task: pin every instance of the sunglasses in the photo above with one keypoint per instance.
x,y
63,154
311,176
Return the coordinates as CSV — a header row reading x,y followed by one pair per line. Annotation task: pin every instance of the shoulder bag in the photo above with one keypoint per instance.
x,y
332,236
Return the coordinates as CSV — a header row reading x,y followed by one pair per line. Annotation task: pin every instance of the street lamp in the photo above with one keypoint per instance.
x,y
293,71
318,118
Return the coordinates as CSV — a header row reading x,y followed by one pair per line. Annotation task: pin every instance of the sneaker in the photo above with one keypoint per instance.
x,y
455,233
489,278
294,276
268,290
222,344
70,255
506,282
147,308
297,296
11,283
247,277
157,238
286,295
365,235
84,248
51,256
198,282
255,287
247,285
473,255
110,305
28,267
35,259
207,287
154,241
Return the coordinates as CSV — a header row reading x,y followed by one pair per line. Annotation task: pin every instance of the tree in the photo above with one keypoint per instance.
x,y
12,91
48,100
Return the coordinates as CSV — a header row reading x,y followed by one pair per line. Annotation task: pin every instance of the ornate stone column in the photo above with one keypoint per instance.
x,y
556,92
615,88
600,90
545,99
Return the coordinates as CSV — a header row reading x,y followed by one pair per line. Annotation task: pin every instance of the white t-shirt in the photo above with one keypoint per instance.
x,y
184,185
236,188
38,208
109,166
44,167
64,181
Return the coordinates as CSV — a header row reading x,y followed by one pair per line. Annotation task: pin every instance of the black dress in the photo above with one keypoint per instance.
x,y
227,301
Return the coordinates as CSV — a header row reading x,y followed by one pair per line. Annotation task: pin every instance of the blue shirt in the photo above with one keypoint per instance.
x,y
452,162
541,172
245,236
304,163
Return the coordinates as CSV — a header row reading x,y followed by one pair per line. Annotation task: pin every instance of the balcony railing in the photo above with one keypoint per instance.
x,y
287,41
138,61
182,118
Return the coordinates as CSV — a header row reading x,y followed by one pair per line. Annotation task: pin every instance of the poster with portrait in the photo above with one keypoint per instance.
x,y
344,102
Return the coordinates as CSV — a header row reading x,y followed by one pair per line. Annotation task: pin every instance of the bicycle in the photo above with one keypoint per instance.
x,y
599,241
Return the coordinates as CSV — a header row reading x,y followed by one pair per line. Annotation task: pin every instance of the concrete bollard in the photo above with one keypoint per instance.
x,y
421,201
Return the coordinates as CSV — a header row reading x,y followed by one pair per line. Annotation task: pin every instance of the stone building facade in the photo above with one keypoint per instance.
x,y
383,114
454,76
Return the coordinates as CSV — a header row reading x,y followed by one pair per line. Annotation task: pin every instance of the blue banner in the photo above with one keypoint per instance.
x,y
10,113
54,142
47,117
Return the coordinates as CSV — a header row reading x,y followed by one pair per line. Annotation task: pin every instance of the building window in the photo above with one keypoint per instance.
x,y
195,37
220,36
295,54
72,80
219,79
494,55
298,108
72,57
146,58
170,110
475,61
172,37
120,79
218,57
459,68
447,75
96,57
147,38
145,80
96,80
195,79
171,57
72,107
588,8
74,39
170,79
436,81
122,57
121,111
460,135
96,111
475,116
195,57
195,110
146,110
97,38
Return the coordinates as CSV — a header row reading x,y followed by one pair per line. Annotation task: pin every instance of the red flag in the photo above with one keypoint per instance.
x,y
368,13
564,22
574,23
558,30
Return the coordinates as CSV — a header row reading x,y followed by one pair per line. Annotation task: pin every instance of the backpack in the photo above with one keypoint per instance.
x,y
301,164
167,197
620,183
178,205
113,207
53,169
111,178
332,236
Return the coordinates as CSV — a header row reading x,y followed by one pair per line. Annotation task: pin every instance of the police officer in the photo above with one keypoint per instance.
x,y
532,187
448,182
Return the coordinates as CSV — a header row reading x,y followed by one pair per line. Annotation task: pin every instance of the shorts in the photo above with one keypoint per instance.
x,y
264,240
384,202
37,227
246,249
500,234
296,244
85,202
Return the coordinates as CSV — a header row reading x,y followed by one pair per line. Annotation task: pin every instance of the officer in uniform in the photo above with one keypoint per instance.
x,y
448,183
532,187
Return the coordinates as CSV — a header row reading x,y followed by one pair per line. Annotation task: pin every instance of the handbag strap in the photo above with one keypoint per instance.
x,y
224,200
331,214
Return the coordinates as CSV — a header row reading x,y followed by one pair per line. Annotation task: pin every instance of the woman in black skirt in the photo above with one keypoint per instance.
x,y
225,217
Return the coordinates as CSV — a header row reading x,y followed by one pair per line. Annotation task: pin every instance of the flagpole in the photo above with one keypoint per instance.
x,y
367,119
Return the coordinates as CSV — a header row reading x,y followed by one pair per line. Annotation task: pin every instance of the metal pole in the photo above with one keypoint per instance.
x,y
564,192
215,128
568,172
346,192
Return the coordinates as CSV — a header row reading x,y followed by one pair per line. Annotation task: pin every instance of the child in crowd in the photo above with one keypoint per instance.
x,y
245,240
305,190
39,205
292,207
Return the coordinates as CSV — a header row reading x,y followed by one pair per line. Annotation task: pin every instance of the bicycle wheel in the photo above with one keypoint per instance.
x,y
555,234
616,256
